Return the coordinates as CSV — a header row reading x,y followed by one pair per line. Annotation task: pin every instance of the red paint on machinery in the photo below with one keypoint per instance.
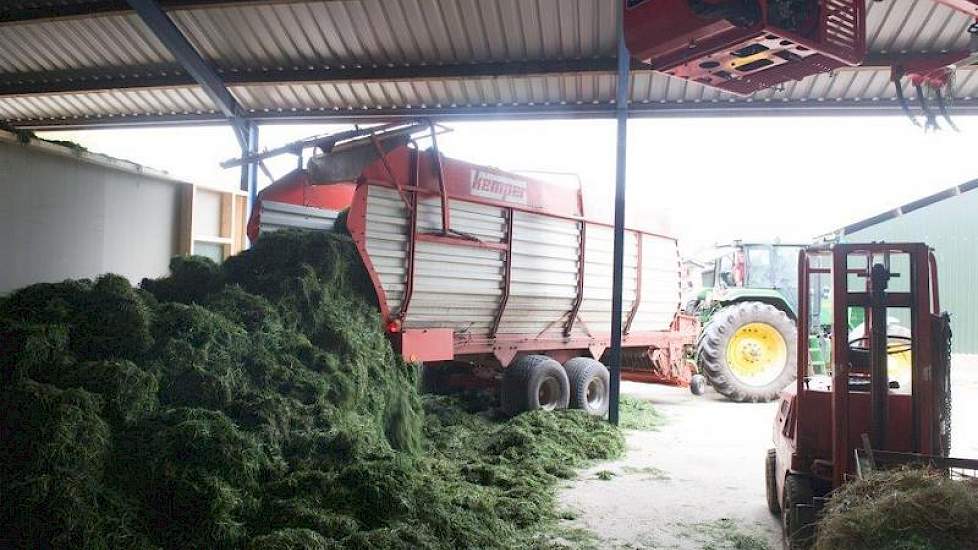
x,y
742,46
416,180
297,188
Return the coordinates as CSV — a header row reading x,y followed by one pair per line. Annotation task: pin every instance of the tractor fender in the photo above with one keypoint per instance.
x,y
764,296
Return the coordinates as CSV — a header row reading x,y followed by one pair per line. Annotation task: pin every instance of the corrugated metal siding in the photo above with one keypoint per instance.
x,y
598,249
660,284
951,228
386,241
280,215
456,286
461,287
543,275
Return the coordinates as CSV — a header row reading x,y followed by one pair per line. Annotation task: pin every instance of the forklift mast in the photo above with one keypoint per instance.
x,y
881,279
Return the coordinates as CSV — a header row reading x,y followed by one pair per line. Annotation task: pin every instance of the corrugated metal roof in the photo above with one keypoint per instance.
x,y
915,26
411,32
284,58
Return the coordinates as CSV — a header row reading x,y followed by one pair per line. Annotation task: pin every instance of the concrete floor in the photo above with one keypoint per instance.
x,y
697,482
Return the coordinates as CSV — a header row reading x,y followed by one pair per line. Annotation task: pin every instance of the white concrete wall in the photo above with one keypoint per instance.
x,y
63,217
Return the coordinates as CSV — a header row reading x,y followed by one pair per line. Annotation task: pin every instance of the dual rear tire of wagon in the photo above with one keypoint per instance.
x,y
535,382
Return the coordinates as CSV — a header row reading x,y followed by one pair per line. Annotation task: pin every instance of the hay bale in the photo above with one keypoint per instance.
x,y
905,509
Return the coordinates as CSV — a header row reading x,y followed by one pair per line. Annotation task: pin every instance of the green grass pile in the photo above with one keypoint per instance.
x,y
252,405
638,414
905,509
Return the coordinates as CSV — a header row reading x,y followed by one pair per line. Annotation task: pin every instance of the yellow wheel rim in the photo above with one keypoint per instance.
x,y
757,353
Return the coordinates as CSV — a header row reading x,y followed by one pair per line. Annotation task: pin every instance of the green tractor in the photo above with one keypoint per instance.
x,y
747,349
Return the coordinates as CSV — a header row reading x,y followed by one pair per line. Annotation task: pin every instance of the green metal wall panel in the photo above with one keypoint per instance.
x,y
950,227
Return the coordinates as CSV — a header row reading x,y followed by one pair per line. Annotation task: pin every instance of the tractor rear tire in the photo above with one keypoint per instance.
x,y
589,385
534,382
799,532
771,481
712,351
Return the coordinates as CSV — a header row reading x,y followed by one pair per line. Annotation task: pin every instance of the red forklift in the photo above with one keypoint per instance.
x,y
887,398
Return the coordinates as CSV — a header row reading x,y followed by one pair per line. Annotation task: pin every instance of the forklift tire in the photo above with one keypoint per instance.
x,y
534,382
730,322
798,530
771,481
589,385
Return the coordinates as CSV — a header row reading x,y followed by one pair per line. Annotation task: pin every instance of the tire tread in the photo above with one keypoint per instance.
x,y
710,350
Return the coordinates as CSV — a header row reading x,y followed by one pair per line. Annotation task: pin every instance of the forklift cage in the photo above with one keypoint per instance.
x,y
921,298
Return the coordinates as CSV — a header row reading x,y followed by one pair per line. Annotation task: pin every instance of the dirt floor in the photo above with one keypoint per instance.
x,y
697,482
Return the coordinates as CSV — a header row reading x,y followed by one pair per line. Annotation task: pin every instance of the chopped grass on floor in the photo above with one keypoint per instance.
x,y
906,509
252,405
649,472
568,514
565,537
725,534
605,475
638,414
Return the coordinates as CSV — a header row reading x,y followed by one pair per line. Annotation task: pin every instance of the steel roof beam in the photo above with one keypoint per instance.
x,y
191,61
173,77
62,82
710,109
204,75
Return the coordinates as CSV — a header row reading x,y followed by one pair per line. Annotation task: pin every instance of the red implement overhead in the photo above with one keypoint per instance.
x,y
742,46
933,75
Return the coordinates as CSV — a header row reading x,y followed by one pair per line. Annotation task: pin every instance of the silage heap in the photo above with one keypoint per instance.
x,y
253,405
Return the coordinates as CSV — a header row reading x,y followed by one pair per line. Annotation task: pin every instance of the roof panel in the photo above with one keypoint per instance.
x,y
71,44
388,55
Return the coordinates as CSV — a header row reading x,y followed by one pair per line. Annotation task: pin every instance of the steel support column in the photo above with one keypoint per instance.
x,y
246,131
249,170
167,32
621,114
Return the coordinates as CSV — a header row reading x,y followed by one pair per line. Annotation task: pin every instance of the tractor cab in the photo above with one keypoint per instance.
x,y
830,428
756,266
